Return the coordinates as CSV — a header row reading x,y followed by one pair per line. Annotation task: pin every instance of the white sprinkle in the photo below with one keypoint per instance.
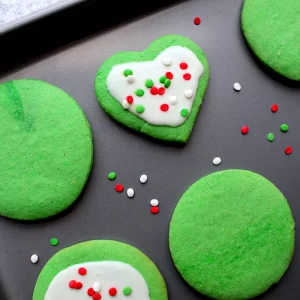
x,y
217,161
143,178
125,104
173,100
130,79
188,93
130,192
34,258
237,86
154,202
97,287
167,61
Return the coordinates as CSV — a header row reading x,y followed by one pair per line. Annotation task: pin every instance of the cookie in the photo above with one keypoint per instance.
x,y
232,235
46,154
157,92
100,269
272,30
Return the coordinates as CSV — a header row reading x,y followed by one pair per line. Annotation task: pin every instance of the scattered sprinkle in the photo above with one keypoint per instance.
x,y
244,129
130,79
119,188
188,93
112,291
184,112
167,61
187,76
162,79
154,210
78,285
54,241
91,292
164,107
183,66
34,258
149,83
274,108
96,287
173,100
72,284
140,109
161,91
127,72
237,86
129,99
139,92
96,296
271,137
288,150
217,161
112,175
125,104
154,91
130,192
167,83
82,271
143,178
127,291
169,75
154,202
284,127
197,21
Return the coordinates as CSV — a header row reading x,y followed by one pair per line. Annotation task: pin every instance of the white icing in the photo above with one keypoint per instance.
x,y
109,273
167,61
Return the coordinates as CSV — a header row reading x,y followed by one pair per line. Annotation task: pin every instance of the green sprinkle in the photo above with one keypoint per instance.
x,y
167,83
140,109
112,175
127,72
127,290
270,137
139,92
284,127
184,112
54,241
162,79
149,83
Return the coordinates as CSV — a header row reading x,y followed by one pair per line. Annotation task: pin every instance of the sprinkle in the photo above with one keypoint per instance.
x,y
119,188
274,108
237,86
162,79
284,127
154,210
112,176
154,202
154,91
149,83
270,137
143,178
54,241
197,21
96,296
173,100
127,291
164,107
130,192
125,104
129,99
82,271
288,150
188,93
244,129
140,109
78,285
34,258
161,91
169,75
139,92
127,72
217,161
112,291
130,79
167,61
183,66
91,292
96,287
184,112
187,76
72,284
167,83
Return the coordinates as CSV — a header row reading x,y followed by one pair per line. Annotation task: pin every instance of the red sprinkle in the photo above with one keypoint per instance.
x,y
154,210
96,296
244,129
274,108
82,271
183,66
164,107
129,99
78,285
288,150
154,90
112,291
187,76
72,284
91,292
119,188
169,75
197,21
161,91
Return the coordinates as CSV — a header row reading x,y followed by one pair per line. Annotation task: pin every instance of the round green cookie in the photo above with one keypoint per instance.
x,y
232,235
104,251
272,30
46,151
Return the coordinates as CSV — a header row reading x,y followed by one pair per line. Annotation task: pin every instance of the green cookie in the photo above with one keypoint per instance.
x,y
232,235
272,30
107,268
46,150
157,92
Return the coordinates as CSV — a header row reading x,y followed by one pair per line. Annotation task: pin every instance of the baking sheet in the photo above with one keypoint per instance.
x,y
70,58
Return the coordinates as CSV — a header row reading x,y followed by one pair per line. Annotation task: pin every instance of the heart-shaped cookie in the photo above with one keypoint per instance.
x,y
157,92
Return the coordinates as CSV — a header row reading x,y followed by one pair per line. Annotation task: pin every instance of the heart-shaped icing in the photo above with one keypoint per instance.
x,y
158,91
